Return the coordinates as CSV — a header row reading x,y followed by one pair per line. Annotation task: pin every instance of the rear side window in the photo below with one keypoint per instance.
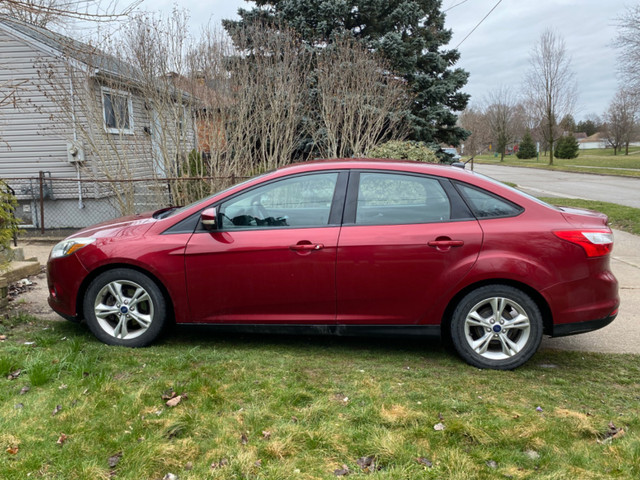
x,y
393,199
487,205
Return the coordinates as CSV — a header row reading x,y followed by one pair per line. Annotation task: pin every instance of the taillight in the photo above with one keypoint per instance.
x,y
596,243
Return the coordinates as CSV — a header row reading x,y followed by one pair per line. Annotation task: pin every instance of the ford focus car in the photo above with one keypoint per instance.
x,y
348,247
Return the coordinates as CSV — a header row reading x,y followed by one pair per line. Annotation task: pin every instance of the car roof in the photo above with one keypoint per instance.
x,y
378,164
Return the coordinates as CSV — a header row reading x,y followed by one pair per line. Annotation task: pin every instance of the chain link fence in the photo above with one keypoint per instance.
x,y
57,206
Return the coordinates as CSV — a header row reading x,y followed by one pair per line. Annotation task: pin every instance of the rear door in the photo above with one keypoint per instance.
x,y
406,241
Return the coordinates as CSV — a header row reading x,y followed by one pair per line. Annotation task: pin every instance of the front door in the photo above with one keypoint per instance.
x,y
272,259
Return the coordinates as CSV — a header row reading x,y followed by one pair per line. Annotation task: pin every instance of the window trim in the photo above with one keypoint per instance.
x,y
121,93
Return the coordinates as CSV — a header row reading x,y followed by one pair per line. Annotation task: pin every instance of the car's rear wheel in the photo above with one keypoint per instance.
x,y
125,307
497,327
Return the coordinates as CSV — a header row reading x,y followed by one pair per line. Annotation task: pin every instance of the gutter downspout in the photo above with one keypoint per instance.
x,y
75,140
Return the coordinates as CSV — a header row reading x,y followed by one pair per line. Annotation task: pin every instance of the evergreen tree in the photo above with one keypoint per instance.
x,y
588,126
527,148
409,33
567,147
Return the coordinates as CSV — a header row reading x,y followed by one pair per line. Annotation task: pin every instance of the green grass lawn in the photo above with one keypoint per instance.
x,y
588,161
274,407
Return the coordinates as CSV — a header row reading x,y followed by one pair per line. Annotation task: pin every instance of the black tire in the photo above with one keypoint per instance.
x,y
125,307
503,343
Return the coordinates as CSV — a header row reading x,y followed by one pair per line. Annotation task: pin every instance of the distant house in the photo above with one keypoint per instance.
x,y
76,115
579,135
597,140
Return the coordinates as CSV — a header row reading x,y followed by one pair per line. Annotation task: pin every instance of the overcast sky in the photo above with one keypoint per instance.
x,y
497,52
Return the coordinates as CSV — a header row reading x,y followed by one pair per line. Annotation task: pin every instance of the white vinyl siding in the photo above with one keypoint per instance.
x,y
29,142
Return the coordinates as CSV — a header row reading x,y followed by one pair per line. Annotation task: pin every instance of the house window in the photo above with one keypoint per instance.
x,y
117,111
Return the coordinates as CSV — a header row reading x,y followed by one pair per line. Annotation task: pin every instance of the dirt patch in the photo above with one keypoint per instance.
x,y
30,295
32,298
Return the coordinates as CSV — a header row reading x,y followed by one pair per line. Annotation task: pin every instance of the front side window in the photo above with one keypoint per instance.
x,y
117,111
301,201
395,199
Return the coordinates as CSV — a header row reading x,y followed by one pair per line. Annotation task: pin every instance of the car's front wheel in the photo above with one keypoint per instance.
x,y
125,307
497,327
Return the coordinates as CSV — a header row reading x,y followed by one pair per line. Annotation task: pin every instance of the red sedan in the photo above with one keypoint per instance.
x,y
348,247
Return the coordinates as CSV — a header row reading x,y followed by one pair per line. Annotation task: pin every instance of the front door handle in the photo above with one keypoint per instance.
x,y
306,246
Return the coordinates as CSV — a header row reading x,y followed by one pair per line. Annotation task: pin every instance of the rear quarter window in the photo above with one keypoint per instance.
x,y
485,204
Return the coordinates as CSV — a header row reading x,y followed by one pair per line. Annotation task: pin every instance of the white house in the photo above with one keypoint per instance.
x,y
73,116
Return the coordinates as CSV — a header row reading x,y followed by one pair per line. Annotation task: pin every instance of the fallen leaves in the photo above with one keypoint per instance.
x,y
62,439
114,460
14,375
612,434
173,402
341,472
424,461
56,410
222,463
368,464
492,464
13,450
172,399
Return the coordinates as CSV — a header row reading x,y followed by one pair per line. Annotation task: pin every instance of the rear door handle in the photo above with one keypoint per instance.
x,y
445,243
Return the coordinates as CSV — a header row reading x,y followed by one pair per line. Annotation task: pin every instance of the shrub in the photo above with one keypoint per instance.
x,y
567,147
8,221
527,147
407,150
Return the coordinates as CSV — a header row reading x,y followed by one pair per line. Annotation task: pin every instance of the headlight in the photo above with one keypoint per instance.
x,y
70,245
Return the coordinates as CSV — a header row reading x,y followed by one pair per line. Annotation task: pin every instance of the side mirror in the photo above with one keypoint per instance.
x,y
208,217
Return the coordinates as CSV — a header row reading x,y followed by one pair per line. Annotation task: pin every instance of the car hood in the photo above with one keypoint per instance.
x,y
581,217
132,225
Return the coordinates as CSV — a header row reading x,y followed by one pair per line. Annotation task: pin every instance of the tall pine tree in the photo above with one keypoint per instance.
x,y
409,33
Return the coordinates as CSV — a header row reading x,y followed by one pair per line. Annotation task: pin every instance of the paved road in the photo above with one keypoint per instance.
x,y
548,183
623,335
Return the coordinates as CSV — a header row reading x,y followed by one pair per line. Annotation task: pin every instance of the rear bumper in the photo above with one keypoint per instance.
x,y
565,329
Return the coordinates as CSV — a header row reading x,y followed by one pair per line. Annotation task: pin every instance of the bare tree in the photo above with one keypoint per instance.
x,y
621,120
628,41
361,103
502,118
47,12
270,92
475,121
550,85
